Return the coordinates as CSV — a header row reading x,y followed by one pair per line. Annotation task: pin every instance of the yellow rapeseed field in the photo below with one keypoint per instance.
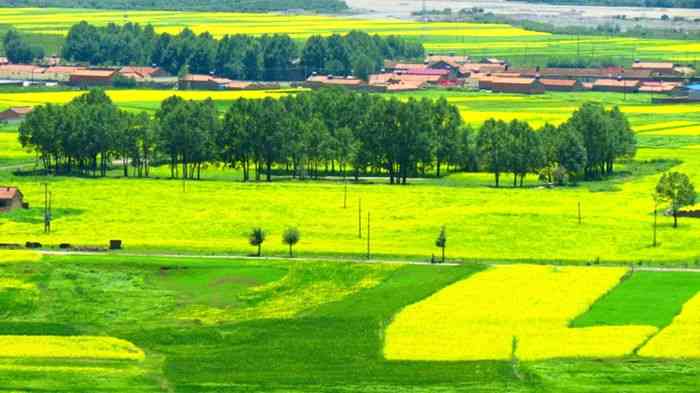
x,y
680,339
56,21
128,96
12,283
525,308
663,125
18,256
290,296
68,347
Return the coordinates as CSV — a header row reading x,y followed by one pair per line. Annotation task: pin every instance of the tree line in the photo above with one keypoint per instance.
x,y
586,146
627,3
188,5
18,49
267,57
324,132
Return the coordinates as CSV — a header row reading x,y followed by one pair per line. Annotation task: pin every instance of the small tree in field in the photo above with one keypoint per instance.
x,y
676,189
441,242
256,239
291,237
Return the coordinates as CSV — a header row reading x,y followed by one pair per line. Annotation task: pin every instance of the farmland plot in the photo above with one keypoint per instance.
x,y
510,311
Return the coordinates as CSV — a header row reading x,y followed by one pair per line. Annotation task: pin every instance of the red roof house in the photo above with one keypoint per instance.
x,y
10,198
87,77
15,114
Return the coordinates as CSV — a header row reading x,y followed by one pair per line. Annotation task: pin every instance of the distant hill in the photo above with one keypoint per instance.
x,y
626,3
188,5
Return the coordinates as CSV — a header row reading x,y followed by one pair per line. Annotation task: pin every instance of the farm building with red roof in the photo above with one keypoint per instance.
x,y
517,85
10,198
561,84
15,114
87,77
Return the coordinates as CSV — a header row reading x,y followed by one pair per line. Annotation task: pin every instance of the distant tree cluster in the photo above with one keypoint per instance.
x,y
582,62
303,135
356,53
586,146
188,5
330,131
86,134
268,57
19,50
308,134
627,3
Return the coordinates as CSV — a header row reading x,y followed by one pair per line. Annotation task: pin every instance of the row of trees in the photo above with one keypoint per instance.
x,y
268,57
88,134
18,49
323,132
188,5
356,53
586,146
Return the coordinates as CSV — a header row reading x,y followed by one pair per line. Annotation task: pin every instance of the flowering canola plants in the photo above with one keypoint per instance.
x,y
69,347
680,339
18,256
512,310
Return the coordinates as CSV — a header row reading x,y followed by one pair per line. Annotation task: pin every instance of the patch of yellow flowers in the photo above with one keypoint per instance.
x,y
512,310
11,283
127,96
680,339
18,256
85,347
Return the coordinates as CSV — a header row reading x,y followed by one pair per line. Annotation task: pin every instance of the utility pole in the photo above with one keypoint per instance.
x,y
579,213
359,219
368,249
47,209
656,207
345,195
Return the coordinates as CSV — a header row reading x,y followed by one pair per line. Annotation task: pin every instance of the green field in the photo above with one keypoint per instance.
x,y
519,46
637,300
531,224
208,325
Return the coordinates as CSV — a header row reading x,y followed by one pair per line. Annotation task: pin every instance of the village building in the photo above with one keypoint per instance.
x,y
3,61
59,73
23,72
658,87
143,73
11,198
406,66
661,68
440,74
469,69
318,81
517,85
450,59
89,77
561,84
395,82
15,114
616,85
587,74
694,92
197,82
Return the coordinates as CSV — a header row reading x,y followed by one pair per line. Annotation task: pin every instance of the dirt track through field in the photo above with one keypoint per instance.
x,y
331,259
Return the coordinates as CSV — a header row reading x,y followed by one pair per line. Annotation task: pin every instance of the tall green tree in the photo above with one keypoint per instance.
x,y
677,190
493,147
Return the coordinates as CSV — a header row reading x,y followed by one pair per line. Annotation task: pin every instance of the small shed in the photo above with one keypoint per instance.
x,y
694,92
15,114
90,77
517,85
11,198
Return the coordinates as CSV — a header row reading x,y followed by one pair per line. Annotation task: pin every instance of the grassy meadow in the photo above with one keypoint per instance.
x,y
530,224
518,45
227,325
